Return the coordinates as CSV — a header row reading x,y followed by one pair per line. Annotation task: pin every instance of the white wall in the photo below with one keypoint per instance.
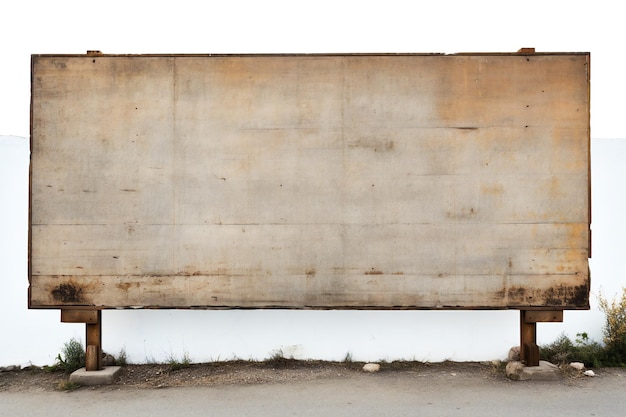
x,y
36,336
241,26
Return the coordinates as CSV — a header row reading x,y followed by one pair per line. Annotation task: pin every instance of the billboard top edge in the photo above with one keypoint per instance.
x,y
347,54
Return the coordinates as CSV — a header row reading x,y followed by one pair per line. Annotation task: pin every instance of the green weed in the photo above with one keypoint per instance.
x,y
615,329
122,358
72,356
66,385
175,364
612,352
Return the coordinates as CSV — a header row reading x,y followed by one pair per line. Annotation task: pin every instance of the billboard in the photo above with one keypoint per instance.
x,y
369,181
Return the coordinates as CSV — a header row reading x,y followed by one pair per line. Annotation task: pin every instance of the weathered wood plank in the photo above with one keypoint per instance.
x,y
80,316
313,290
446,249
543,316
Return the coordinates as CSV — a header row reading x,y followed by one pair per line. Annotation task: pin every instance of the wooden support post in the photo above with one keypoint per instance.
x,y
529,351
93,359
93,339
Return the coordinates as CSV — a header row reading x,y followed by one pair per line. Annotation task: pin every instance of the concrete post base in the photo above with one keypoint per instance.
x,y
105,376
544,372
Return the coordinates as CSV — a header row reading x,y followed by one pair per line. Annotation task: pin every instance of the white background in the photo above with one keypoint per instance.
x,y
33,27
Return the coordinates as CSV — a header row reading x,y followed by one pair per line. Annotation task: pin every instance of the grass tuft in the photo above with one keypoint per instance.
x,y
175,364
66,385
122,358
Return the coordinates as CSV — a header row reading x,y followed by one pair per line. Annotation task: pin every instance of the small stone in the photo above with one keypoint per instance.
x,y
514,369
371,367
9,368
589,373
108,359
513,354
577,365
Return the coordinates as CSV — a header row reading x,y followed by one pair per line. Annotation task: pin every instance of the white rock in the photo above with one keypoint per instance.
x,y
371,367
577,365
589,373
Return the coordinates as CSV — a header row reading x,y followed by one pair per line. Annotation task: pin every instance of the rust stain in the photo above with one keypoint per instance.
x,y
516,292
554,189
192,271
373,272
67,293
572,260
311,272
464,213
493,189
578,295
125,286
553,297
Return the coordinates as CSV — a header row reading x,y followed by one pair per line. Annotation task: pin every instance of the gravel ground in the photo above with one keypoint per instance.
x,y
241,373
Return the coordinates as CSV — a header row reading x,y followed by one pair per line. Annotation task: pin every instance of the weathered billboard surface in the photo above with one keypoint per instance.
x,y
310,181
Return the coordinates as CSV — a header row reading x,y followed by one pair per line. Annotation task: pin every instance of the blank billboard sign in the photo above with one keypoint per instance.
x,y
377,181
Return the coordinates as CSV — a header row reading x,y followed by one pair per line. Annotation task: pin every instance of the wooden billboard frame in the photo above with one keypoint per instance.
x,y
374,108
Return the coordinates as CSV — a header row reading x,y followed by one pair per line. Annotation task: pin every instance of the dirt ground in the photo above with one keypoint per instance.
x,y
311,388
282,370
241,373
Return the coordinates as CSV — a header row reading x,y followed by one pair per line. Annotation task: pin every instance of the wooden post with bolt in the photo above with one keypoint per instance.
x,y
93,334
529,351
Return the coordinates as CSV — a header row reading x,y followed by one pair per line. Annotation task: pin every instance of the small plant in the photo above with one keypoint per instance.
x,y
72,356
66,385
589,352
276,357
122,358
563,351
560,351
278,360
348,358
615,329
52,368
174,364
